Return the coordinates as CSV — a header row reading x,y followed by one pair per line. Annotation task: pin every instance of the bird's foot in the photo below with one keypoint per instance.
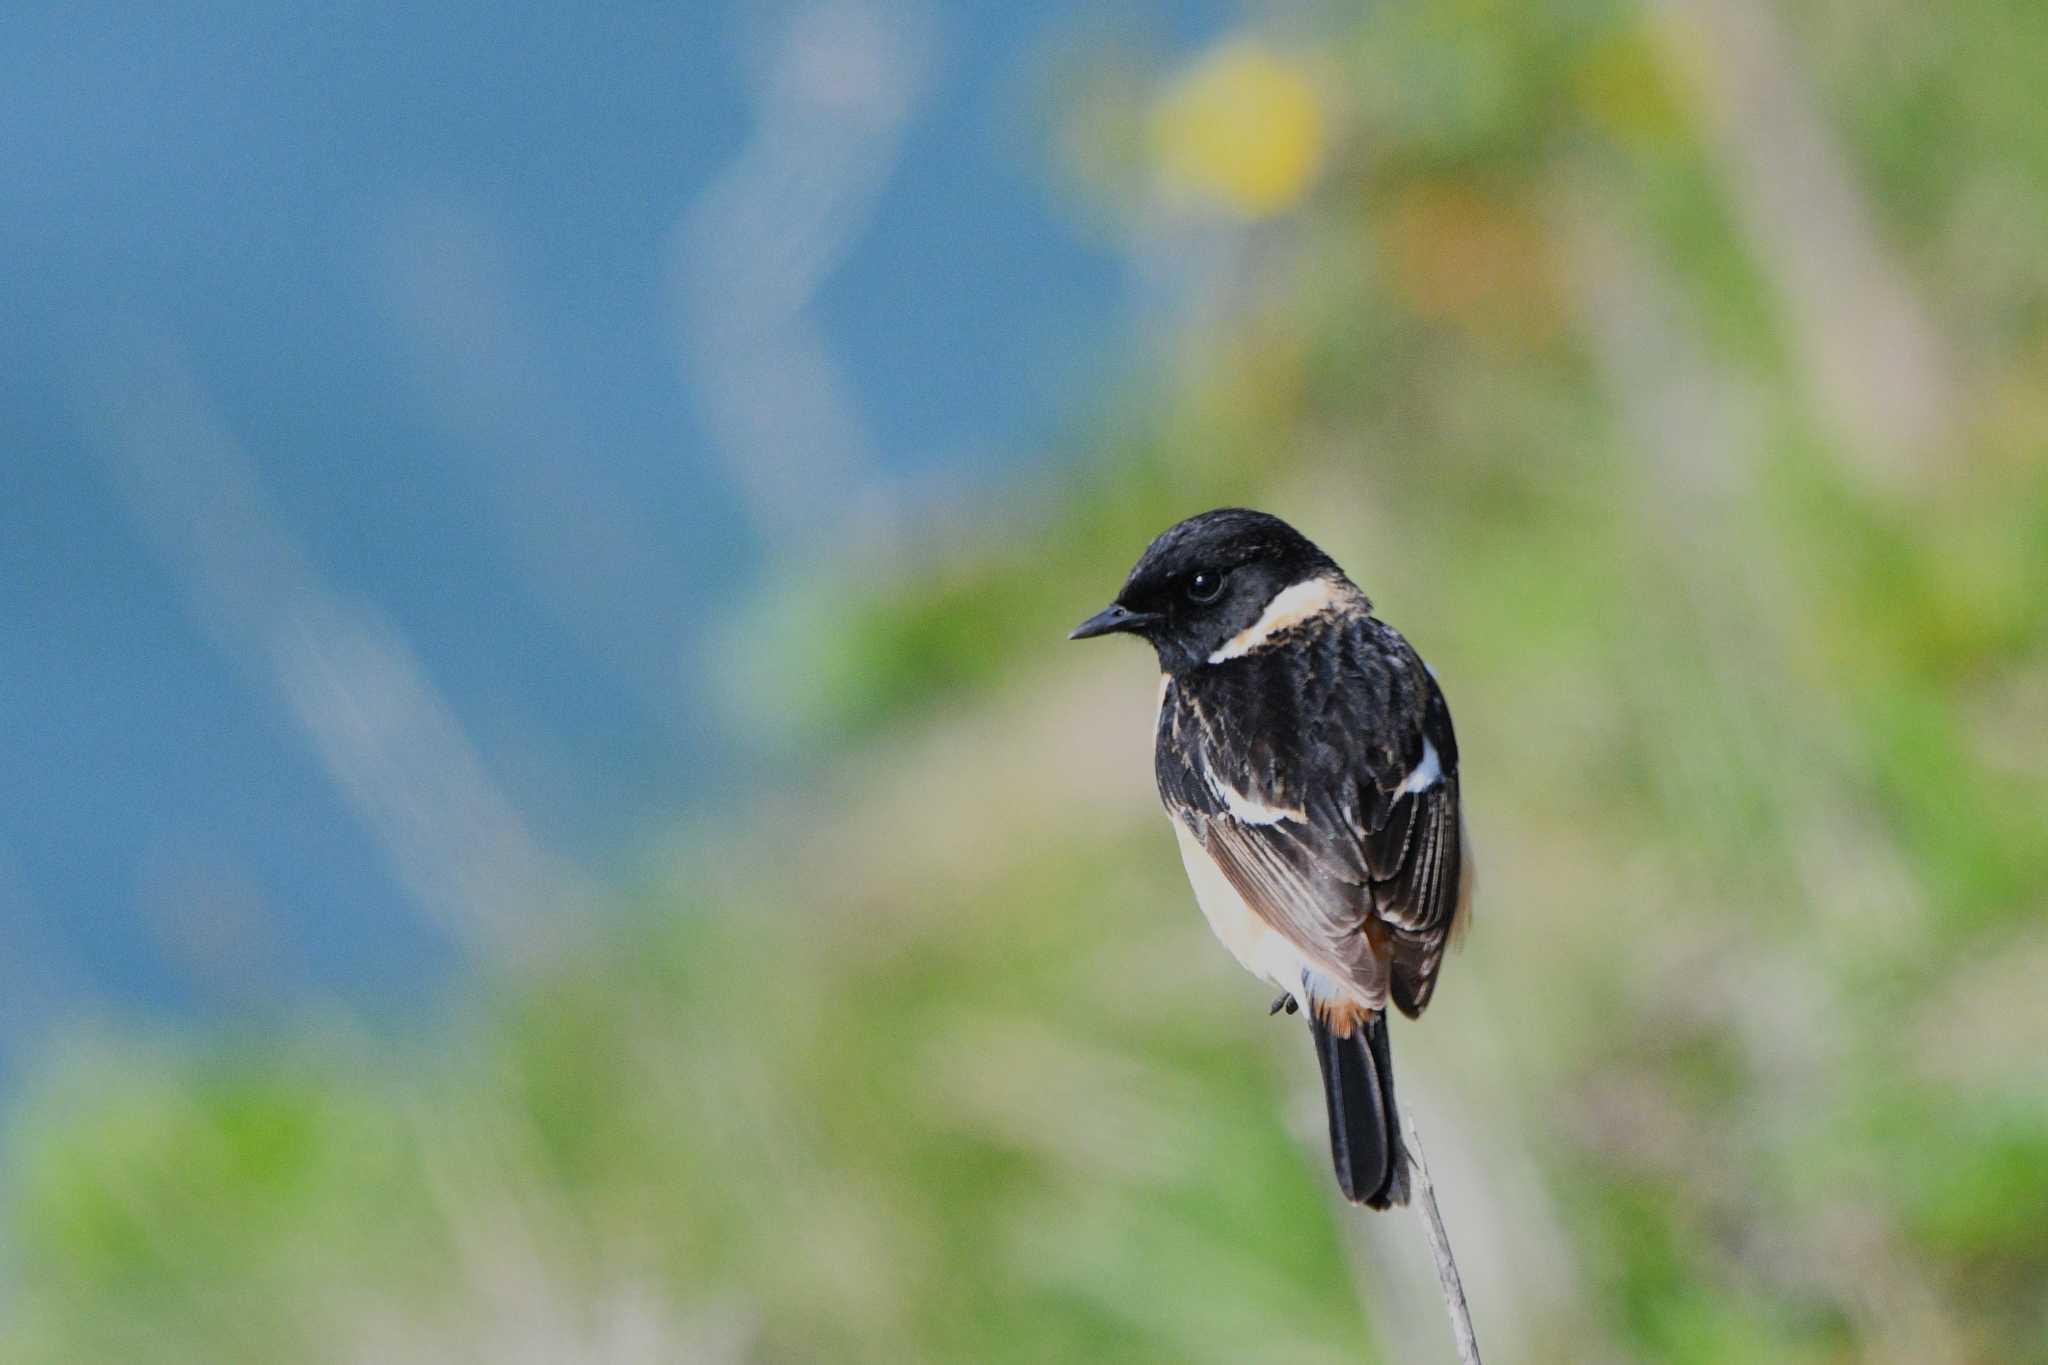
x,y
1283,1002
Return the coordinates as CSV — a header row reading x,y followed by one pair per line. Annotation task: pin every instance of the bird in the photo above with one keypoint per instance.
x,y
1305,756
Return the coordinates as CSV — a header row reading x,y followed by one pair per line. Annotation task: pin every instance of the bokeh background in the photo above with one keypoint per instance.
x,y
548,816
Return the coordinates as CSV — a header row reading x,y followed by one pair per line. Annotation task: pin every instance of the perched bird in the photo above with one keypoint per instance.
x,y
1305,755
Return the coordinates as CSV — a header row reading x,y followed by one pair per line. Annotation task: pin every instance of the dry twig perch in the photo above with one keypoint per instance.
x,y
1440,1247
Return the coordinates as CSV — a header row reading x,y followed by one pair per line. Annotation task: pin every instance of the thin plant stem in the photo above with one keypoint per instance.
x,y
1440,1247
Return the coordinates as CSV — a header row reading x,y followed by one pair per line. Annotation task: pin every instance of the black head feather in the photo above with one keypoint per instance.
x,y
1208,578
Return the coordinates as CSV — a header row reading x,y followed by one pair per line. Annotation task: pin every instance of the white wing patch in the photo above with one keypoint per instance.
x,y
1427,773
1289,608
1255,812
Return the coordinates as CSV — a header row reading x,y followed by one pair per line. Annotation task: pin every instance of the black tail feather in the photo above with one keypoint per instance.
x,y
1365,1127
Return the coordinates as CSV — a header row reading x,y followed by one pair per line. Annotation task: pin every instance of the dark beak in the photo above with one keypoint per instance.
x,y
1111,620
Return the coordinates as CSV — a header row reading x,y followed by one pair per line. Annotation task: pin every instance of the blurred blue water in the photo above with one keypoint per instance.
x,y
413,260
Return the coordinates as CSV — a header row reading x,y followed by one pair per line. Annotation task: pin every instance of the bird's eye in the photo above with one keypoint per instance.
x,y
1205,587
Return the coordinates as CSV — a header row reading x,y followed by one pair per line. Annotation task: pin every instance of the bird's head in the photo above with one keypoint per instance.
x,y
1204,585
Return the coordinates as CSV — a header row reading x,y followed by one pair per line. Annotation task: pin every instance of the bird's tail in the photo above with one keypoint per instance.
x,y
1365,1127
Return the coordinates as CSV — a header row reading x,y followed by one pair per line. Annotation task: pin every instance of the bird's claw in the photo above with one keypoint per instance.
x,y
1283,1002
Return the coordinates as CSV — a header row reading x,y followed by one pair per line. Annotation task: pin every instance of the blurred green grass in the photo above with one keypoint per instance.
x,y
932,1059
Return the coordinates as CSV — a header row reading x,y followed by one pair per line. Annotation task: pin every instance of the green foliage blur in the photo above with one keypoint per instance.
x,y
1677,378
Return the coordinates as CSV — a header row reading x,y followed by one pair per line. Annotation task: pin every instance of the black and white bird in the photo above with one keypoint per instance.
x,y
1305,755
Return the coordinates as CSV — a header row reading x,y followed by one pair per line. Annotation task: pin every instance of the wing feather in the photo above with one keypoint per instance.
x,y
1284,883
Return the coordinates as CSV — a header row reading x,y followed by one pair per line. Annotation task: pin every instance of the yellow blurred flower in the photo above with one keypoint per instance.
x,y
1241,129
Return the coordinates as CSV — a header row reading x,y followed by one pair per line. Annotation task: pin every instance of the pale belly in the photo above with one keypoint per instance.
x,y
1260,949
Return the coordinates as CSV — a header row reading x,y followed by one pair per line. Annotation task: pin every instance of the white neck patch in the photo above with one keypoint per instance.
x,y
1289,608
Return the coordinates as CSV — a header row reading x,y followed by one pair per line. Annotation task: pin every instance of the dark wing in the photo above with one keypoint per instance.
x,y
1311,801
1414,845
